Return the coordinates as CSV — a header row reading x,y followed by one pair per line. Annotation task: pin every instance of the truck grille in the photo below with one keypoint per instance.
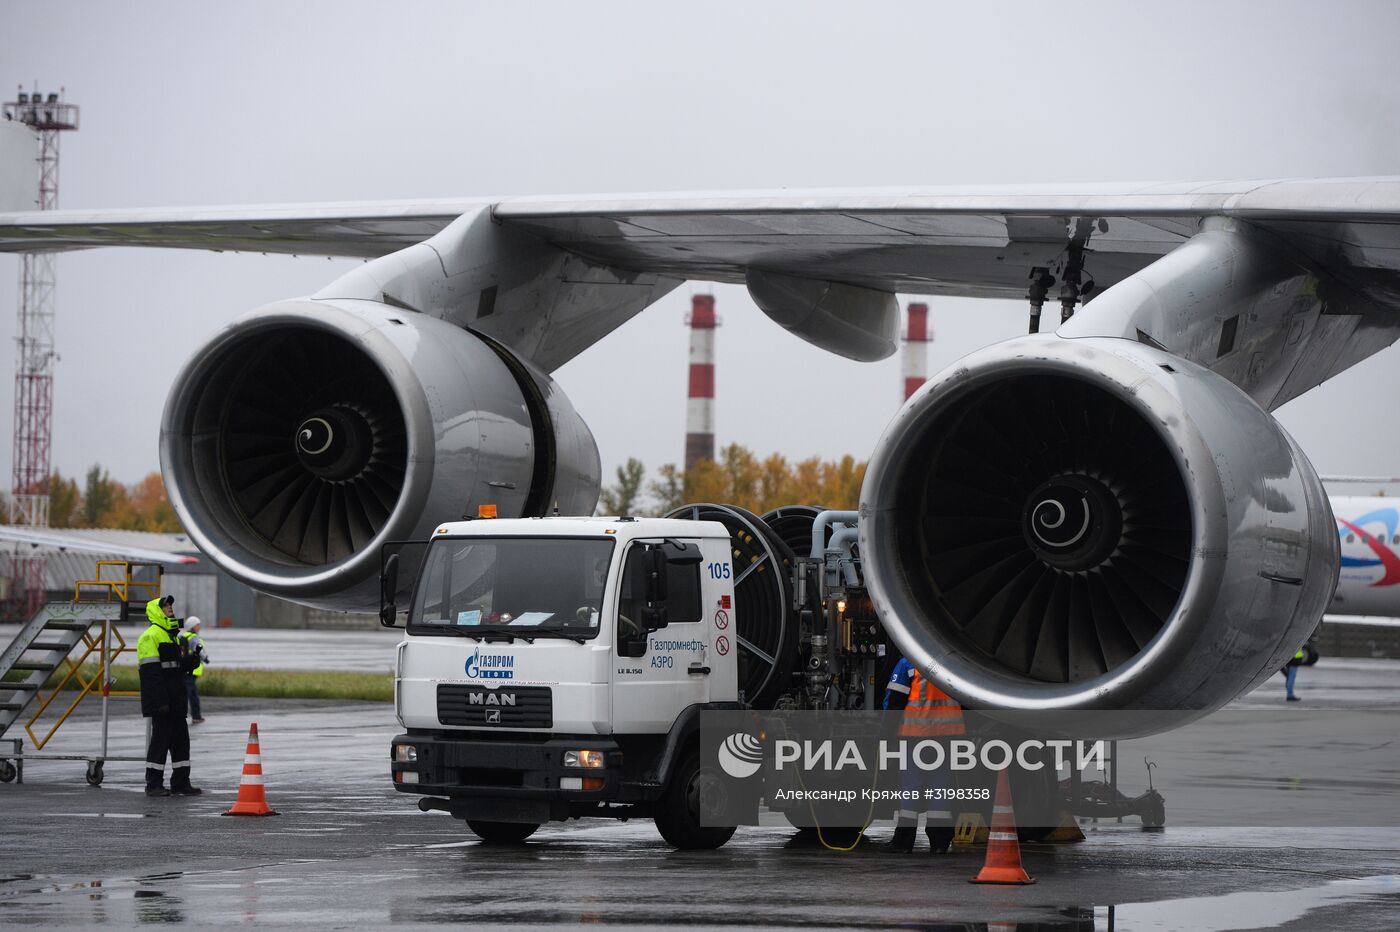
x,y
506,707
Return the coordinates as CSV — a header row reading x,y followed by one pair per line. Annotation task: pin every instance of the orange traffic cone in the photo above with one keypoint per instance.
x,y
1003,864
251,798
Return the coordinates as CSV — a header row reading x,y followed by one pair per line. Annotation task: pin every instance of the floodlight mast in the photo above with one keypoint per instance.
x,y
49,116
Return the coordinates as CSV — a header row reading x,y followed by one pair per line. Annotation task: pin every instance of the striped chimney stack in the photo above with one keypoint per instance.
x,y
700,402
916,340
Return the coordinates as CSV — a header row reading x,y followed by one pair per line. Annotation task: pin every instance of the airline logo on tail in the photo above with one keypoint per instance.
x,y
1382,523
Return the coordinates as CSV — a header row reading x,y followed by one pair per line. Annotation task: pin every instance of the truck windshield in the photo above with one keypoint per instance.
x,y
512,586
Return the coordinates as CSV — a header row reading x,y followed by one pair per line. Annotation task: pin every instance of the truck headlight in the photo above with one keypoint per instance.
x,y
593,760
405,752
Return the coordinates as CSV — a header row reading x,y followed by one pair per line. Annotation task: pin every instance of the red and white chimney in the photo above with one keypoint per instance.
x,y
700,403
916,340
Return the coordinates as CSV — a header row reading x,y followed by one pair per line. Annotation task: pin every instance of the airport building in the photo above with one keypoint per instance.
x,y
200,589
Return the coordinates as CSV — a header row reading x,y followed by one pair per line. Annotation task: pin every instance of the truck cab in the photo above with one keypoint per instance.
x,y
554,668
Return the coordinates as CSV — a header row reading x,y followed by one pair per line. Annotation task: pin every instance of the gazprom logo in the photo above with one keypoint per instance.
x,y
490,666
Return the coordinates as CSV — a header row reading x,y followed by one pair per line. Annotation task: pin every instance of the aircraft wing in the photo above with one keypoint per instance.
x,y
943,241
60,541
307,433
355,230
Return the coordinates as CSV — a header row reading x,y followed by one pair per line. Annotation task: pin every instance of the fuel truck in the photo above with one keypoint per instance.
x,y
556,668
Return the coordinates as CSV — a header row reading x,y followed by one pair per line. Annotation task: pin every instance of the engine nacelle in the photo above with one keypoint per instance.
x,y
1093,524
308,433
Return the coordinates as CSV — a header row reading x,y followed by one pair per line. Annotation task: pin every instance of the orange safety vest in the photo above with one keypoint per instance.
x,y
931,713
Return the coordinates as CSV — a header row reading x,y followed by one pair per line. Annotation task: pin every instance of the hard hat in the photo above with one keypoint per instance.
x,y
192,622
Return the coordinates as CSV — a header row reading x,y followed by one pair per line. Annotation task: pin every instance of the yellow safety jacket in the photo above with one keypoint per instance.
x,y
194,647
161,663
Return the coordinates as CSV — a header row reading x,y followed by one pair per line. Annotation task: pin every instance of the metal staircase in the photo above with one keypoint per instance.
x,y
70,635
39,649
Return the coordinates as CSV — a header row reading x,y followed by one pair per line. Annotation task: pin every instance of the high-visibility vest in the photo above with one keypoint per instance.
x,y
195,646
160,665
159,633
931,713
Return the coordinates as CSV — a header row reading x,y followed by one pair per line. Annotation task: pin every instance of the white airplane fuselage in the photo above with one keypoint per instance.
x,y
1369,530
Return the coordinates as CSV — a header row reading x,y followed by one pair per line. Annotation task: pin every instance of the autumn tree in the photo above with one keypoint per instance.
x,y
668,492
622,498
839,483
152,506
759,485
99,494
104,503
705,481
65,502
141,507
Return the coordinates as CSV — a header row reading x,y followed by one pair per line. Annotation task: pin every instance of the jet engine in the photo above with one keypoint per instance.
x,y
1093,524
309,433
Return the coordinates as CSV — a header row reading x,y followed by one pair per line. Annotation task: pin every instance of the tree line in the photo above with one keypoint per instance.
x,y
103,502
737,477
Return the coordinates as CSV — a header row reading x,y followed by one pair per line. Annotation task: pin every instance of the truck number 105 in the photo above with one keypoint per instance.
x,y
719,570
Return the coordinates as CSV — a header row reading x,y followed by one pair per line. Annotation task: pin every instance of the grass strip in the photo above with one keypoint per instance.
x,y
269,684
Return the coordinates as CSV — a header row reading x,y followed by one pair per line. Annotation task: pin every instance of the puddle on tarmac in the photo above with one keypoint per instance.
x,y
441,911
1241,910
1250,910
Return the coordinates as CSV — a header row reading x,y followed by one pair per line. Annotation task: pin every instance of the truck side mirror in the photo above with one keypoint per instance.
x,y
388,586
655,566
680,553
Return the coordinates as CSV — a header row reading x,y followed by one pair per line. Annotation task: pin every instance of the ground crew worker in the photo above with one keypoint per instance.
x,y
928,713
163,665
194,647
1290,674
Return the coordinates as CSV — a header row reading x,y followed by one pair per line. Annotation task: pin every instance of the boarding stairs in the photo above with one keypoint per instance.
x,y
49,659
39,649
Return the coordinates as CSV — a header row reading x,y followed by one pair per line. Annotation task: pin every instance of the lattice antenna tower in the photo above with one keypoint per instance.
x,y
50,116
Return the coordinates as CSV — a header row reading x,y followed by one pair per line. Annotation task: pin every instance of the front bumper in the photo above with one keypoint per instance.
x,y
470,769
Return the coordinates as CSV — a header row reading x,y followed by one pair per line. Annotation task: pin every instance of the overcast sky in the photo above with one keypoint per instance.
x,y
264,102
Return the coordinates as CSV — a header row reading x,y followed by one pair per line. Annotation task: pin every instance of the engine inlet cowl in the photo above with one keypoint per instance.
x,y
1093,524
308,433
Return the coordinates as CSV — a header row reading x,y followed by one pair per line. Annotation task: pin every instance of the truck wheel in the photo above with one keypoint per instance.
x,y
502,833
678,811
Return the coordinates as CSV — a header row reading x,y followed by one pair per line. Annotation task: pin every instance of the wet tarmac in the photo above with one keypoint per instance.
x,y
348,852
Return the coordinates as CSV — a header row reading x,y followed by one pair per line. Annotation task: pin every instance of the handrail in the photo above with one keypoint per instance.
x,y
121,588
99,680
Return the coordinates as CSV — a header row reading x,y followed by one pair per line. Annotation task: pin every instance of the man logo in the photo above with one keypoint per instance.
x,y
740,755
491,698
493,716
